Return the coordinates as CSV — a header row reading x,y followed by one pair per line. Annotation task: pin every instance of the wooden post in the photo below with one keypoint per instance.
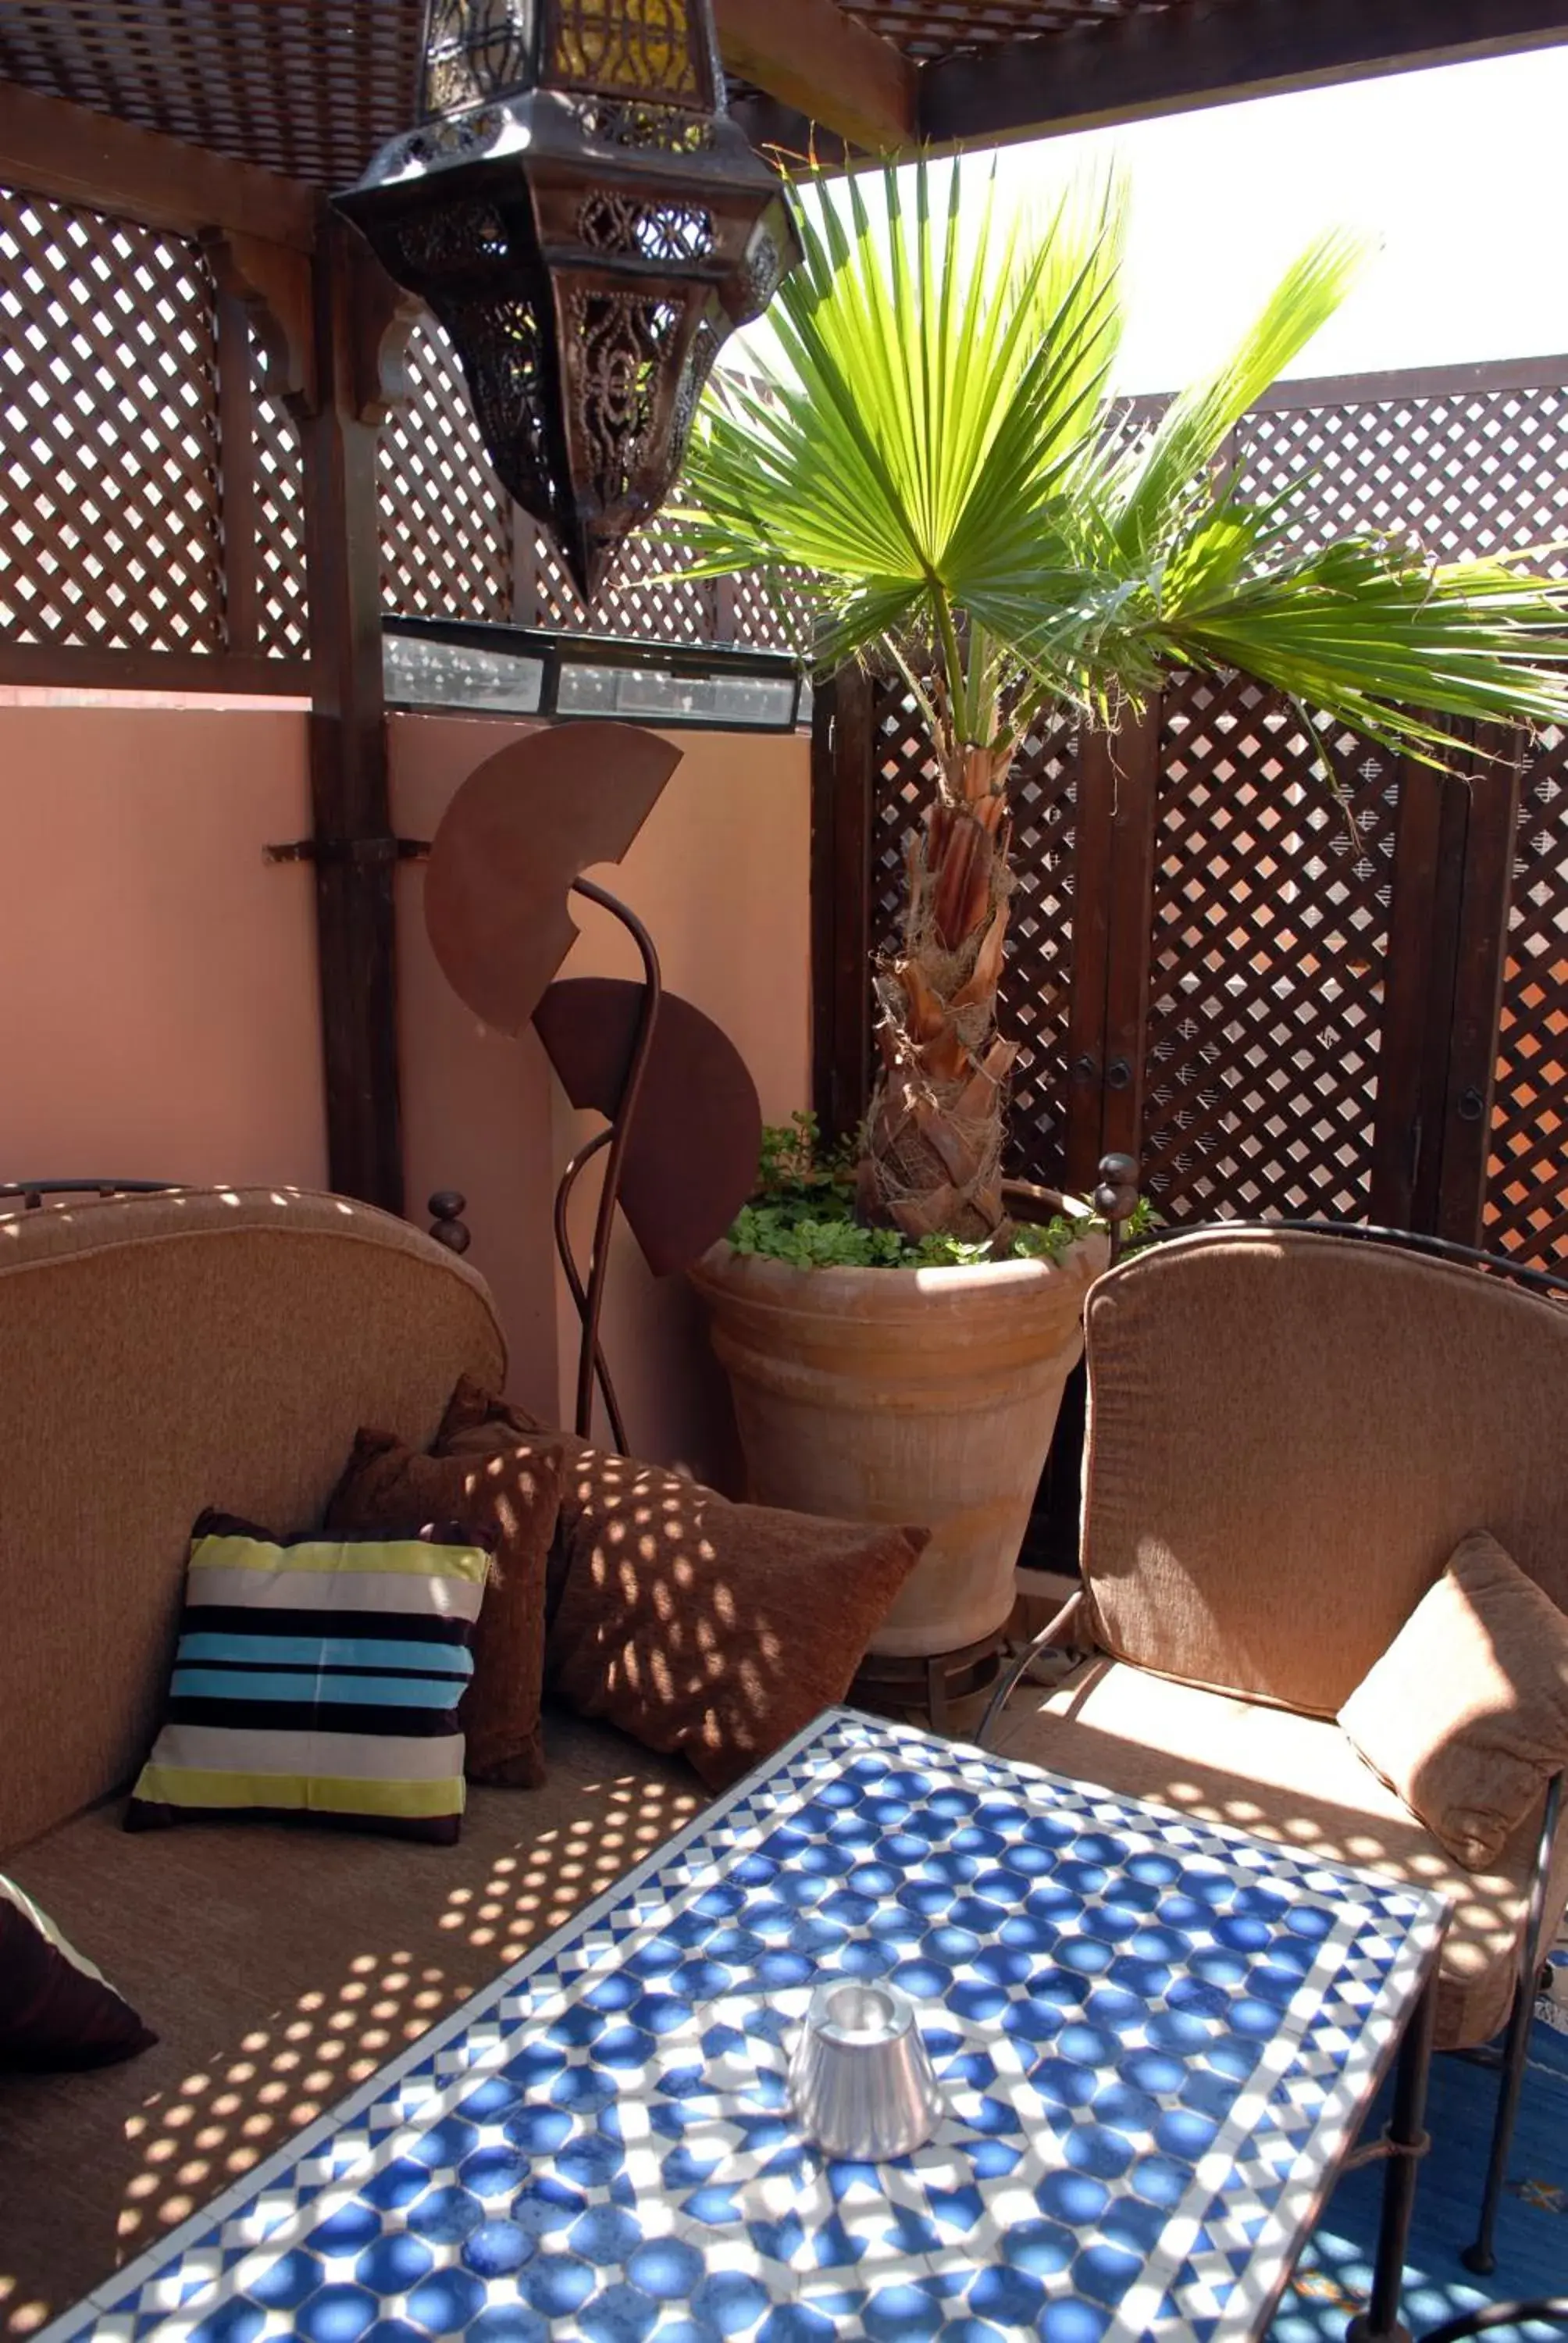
x,y
1135,760
354,310
524,569
842,778
1418,996
1113,915
1481,955
1448,946
1094,812
237,473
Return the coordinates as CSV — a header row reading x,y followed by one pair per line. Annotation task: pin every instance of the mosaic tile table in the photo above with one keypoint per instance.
x,y
1155,2040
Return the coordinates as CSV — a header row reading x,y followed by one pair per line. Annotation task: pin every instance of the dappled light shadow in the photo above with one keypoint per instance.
x,y
376,1945
102,1211
717,1628
1291,1779
680,1637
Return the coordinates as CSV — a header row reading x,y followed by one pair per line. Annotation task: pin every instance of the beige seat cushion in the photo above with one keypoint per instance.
x,y
1295,1779
280,1972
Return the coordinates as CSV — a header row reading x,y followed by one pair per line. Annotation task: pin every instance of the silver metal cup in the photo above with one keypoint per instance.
x,y
861,2082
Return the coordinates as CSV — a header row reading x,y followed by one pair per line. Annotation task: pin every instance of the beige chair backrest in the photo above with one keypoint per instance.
x,y
163,1354
1288,1436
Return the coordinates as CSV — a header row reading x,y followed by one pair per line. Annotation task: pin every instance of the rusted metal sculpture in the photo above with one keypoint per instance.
x,y
683,1122
589,224
518,835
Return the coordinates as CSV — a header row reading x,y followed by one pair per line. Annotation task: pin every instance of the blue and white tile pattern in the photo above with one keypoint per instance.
x,y
1155,2038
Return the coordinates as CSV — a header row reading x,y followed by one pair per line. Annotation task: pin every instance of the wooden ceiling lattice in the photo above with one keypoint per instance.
x,y
306,88
939,28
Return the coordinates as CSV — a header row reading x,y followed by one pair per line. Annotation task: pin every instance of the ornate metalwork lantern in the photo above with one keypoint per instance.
x,y
589,224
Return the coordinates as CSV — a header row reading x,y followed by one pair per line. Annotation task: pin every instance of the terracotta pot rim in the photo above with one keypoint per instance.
x,y
721,1266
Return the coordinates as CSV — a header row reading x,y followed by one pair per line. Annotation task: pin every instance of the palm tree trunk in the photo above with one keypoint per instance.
x,y
932,1163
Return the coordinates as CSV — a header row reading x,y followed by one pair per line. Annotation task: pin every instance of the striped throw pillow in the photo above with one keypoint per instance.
x,y
318,1676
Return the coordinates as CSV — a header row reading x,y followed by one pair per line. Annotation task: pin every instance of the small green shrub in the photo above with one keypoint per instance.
x,y
803,1212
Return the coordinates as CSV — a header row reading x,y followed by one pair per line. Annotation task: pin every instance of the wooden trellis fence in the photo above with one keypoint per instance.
x,y
1205,974
152,529
1204,971
455,546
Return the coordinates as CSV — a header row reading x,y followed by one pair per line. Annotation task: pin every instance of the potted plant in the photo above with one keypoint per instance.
x,y
939,459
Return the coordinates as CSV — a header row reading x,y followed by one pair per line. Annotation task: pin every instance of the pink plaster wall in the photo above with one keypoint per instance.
x,y
721,874
475,1103
160,976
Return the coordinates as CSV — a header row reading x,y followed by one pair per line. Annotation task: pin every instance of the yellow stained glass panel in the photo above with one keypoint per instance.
x,y
642,49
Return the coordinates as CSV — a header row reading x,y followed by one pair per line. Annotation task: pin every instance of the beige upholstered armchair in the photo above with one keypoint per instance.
x,y
1288,1434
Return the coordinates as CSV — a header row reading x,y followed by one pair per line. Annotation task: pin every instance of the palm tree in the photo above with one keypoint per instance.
x,y
946,470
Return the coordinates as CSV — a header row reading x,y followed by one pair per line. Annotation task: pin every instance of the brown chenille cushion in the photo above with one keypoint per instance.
x,y
1465,1716
511,1497
696,1626
478,1423
714,1629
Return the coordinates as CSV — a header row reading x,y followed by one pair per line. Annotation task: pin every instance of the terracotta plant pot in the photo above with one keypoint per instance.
x,y
914,1395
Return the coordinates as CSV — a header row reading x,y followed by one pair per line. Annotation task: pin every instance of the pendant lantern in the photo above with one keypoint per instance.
x,y
580,213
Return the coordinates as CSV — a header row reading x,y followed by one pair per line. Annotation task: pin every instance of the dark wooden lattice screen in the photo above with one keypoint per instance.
x,y
1270,941
144,511
1288,1042
446,521
1469,471
453,546
110,526
151,496
1527,1172
152,516
281,602
1265,948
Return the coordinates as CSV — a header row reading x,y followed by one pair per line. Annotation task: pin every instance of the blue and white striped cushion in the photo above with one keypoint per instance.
x,y
319,1675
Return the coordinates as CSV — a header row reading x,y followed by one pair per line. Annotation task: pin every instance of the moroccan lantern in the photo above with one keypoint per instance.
x,y
579,211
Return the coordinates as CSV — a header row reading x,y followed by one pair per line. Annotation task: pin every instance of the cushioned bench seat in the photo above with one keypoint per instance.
x,y
1288,1778
279,1967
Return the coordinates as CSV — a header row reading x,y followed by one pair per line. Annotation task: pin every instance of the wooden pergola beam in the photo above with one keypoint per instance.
x,y
78,156
824,65
1209,54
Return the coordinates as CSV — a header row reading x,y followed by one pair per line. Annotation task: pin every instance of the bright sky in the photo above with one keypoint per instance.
x,y
1458,171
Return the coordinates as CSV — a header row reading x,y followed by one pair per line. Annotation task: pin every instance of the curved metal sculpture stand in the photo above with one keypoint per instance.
x,y
684,1121
589,1300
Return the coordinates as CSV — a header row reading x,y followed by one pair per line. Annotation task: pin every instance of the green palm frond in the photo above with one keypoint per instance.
x,y
1148,497
939,460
